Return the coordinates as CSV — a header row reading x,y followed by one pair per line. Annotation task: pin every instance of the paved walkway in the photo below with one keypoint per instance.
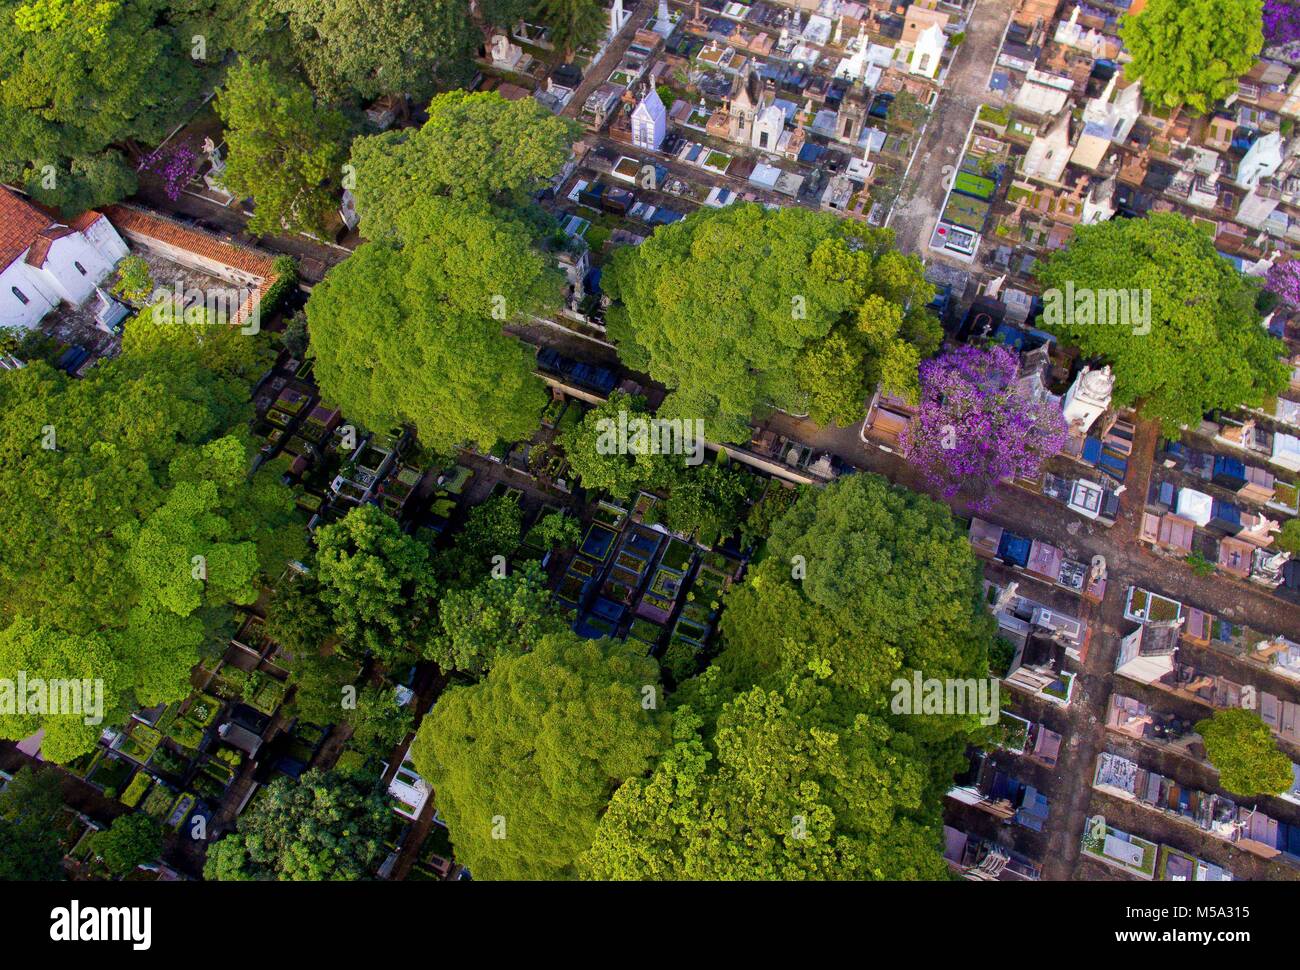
x,y
964,90
598,72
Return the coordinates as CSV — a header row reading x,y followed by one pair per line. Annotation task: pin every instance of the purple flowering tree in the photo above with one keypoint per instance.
x,y
975,428
175,166
1284,280
1281,21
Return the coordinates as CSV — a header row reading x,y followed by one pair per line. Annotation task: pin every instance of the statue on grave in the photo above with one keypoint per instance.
x,y
504,53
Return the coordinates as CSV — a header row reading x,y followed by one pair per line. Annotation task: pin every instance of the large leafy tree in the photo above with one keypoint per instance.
x,y
51,654
1241,747
82,80
361,51
871,578
788,784
525,761
411,332
130,523
499,616
32,797
503,13
707,502
131,841
1191,52
976,427
286,151
1203,347
296,618
378,721
326,826
788,761
29,846
410,328
743,309
210,29
591,448
377,582
319,682
477,147
29,853
574,24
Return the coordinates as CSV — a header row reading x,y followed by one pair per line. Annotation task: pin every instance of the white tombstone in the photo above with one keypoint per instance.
x,y
617,18
1088,397
504,53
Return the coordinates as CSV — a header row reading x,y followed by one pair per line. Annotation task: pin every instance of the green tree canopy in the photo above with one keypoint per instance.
x,y
1191,52
325,826
131,841
473,147
377,582
210,29
296,618
743,309
587,446
378,722
871,578
574,24
556,530
707,501
1241,748
286,152
130,524
1203,347
788,758
533,752
32,797
83,78
29,854
412,333
788,785
497,617
353,51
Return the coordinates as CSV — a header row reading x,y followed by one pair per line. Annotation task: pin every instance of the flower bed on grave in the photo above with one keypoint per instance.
x,y
110,773
583,567
678,555
264,693
571,589
186,734
610,516
135,791
621,586
140,743
692,630
158,804
645,631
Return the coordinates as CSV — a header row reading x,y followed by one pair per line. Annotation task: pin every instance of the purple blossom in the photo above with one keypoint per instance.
x,y
1281,21
175,166
1284,280
976,428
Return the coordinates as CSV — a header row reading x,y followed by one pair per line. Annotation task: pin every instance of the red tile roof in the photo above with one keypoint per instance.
x,y
87,219
132,221
20,222
41,245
